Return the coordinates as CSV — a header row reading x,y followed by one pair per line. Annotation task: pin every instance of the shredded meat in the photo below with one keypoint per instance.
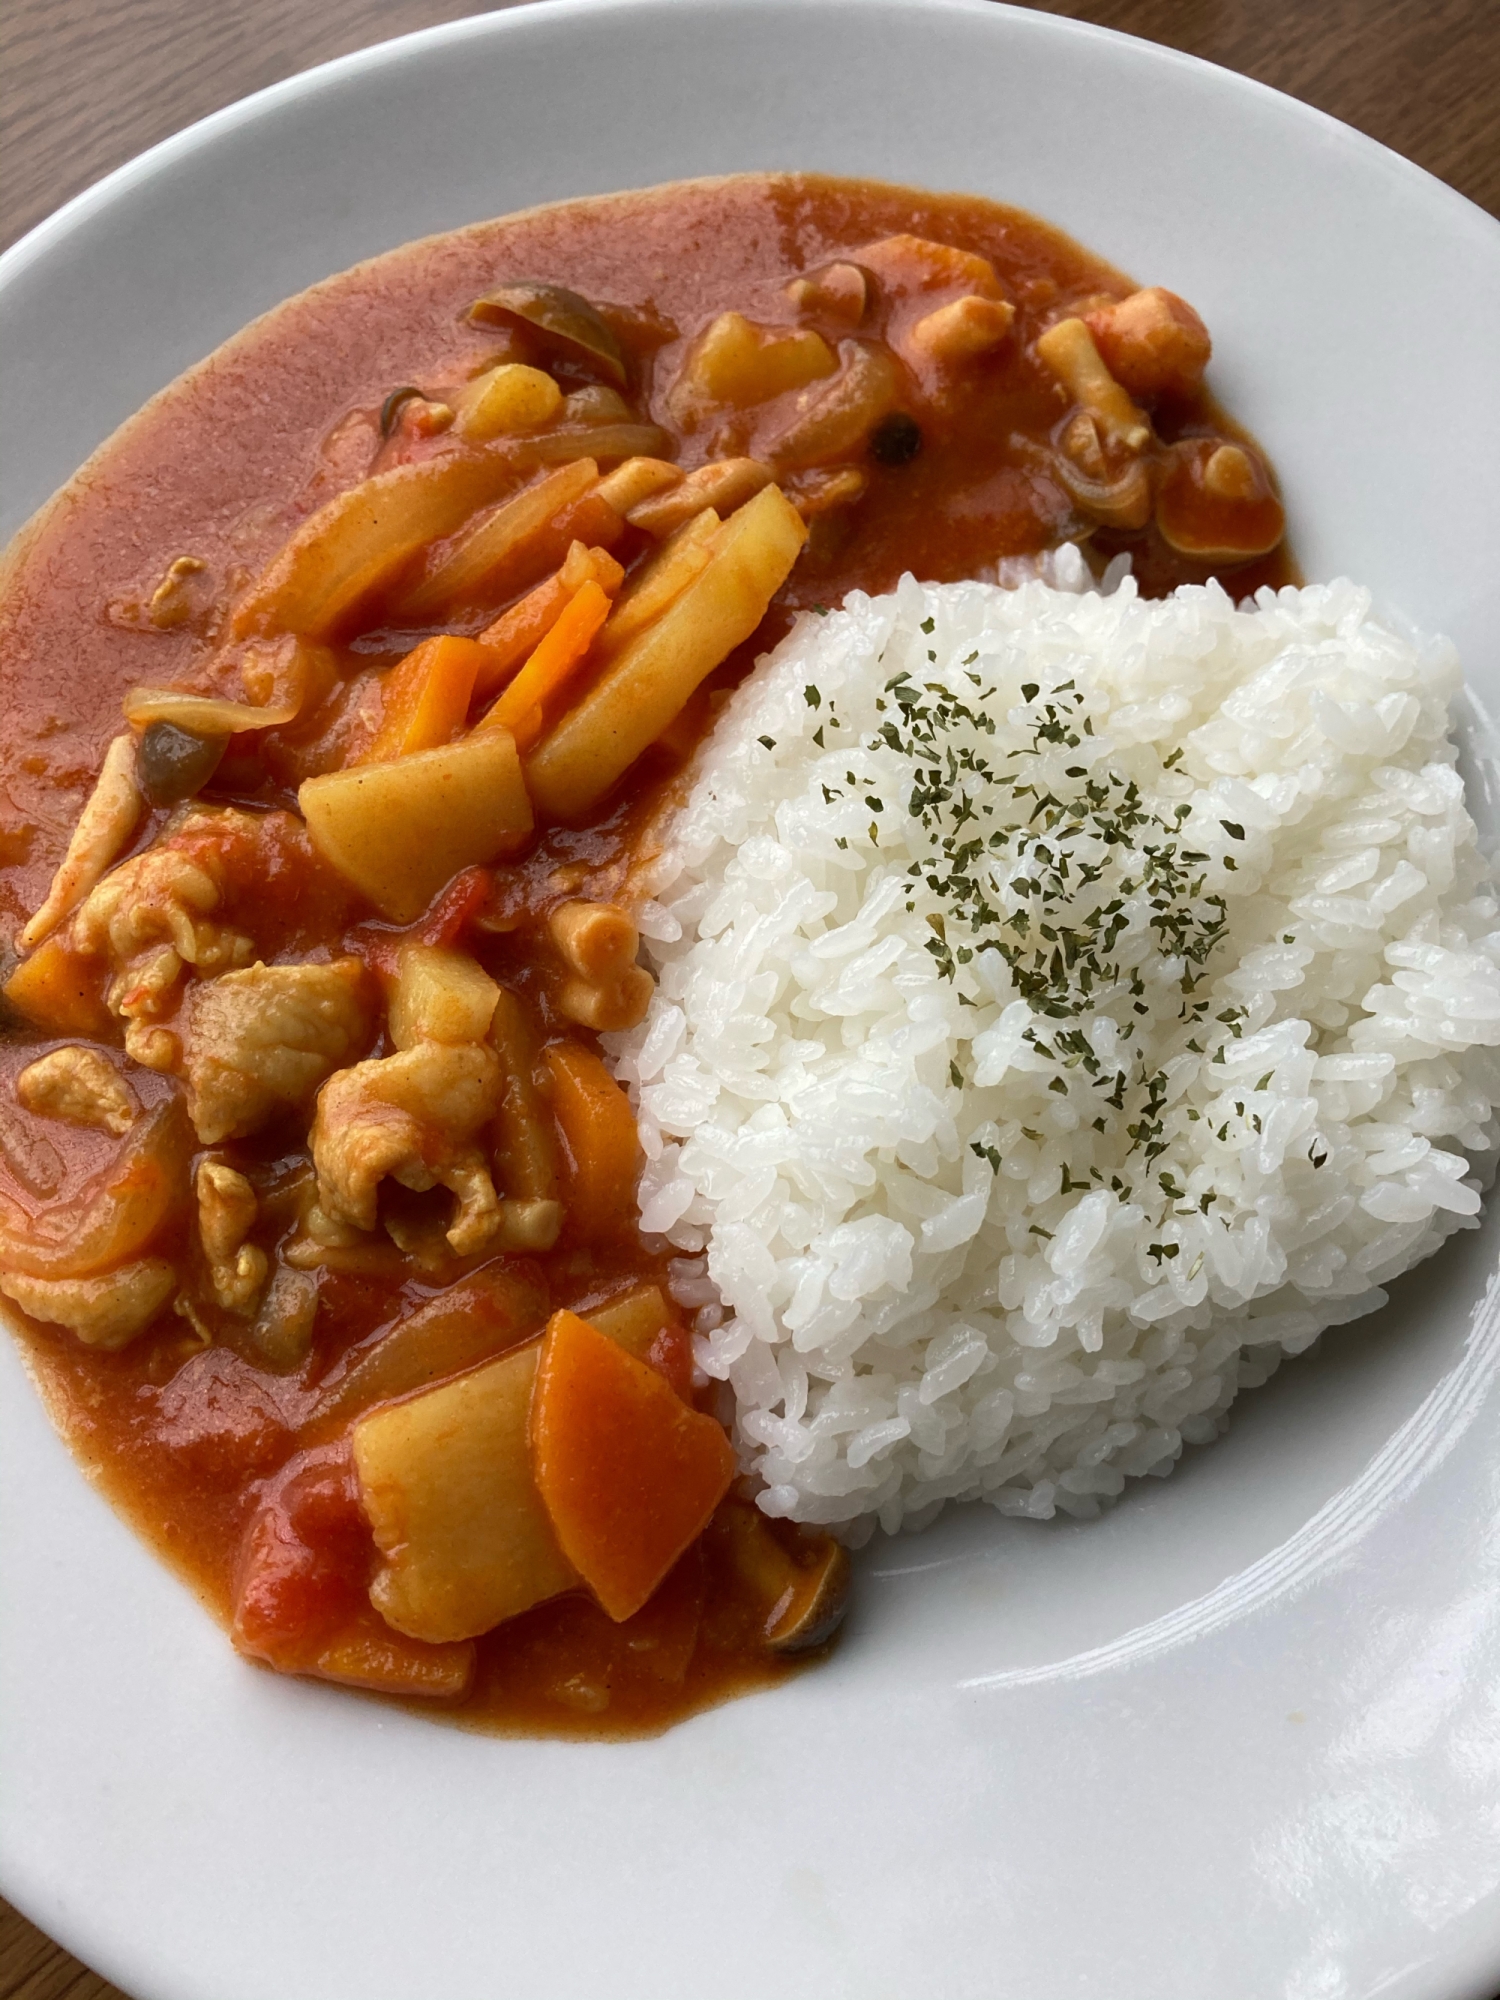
x,y
154,915
262,1040
227,1211
414,1117
211,896
104,828
80,1086
105,1311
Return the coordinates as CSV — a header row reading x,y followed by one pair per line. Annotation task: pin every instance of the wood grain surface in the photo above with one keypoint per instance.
x,y
86,84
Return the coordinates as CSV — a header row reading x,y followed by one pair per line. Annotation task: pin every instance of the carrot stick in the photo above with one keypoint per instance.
x,y
628,1472
427,698
551,665
516,633
598,1130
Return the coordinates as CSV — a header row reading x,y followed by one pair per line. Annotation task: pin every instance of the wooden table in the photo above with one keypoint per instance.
x,y
85,84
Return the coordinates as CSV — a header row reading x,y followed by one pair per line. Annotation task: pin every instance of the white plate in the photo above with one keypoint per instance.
x,y
1240,1738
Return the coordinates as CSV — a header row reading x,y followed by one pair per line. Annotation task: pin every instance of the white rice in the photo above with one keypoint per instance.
x,y
824,1111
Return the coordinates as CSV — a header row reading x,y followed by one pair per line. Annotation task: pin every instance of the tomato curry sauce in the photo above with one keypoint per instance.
x,y
316,1191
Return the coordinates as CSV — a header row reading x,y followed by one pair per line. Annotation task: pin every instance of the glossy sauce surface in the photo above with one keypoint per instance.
x,y
192,1435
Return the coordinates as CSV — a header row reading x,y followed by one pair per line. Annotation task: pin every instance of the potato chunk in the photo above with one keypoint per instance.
x,y
447,1487
735,361
511,397
650,679
440,996
399,831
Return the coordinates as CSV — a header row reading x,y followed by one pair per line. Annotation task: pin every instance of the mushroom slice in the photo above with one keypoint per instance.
x,y
1067,349
175,763
560,320
801,1591
1114,491
962,329
1216,503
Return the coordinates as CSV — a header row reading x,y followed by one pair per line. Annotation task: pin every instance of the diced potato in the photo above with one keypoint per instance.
x,y
736,362
653,676
362,538
475,1320
501,552
399,831
59,991
634,1320
447,1487
660,582
511,397
441,996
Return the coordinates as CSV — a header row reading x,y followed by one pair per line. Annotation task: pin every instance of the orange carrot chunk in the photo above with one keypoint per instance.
x,y
629,1473
427,698
551,666
517,633
598,1129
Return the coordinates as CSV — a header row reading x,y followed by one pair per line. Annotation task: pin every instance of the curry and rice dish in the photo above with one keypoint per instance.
x,y
686,875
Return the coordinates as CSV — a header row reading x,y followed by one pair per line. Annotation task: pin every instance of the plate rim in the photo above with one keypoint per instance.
x,y
52,232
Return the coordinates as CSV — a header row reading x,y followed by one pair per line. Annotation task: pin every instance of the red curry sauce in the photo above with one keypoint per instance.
x,y
236,1464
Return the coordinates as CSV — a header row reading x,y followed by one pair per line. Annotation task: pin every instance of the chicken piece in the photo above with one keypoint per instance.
x,y
414,1117
1153,343
152,916
81,1087
258,1041
104,826
106,1311
227,1211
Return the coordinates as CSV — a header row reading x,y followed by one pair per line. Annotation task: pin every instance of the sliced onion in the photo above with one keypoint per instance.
x,y
560,319
203,714
114,1219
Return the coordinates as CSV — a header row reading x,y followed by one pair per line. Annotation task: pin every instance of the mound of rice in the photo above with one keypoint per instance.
x,y
1068,1006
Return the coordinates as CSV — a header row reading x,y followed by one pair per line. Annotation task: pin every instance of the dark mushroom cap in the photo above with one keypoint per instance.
x,y
560,319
